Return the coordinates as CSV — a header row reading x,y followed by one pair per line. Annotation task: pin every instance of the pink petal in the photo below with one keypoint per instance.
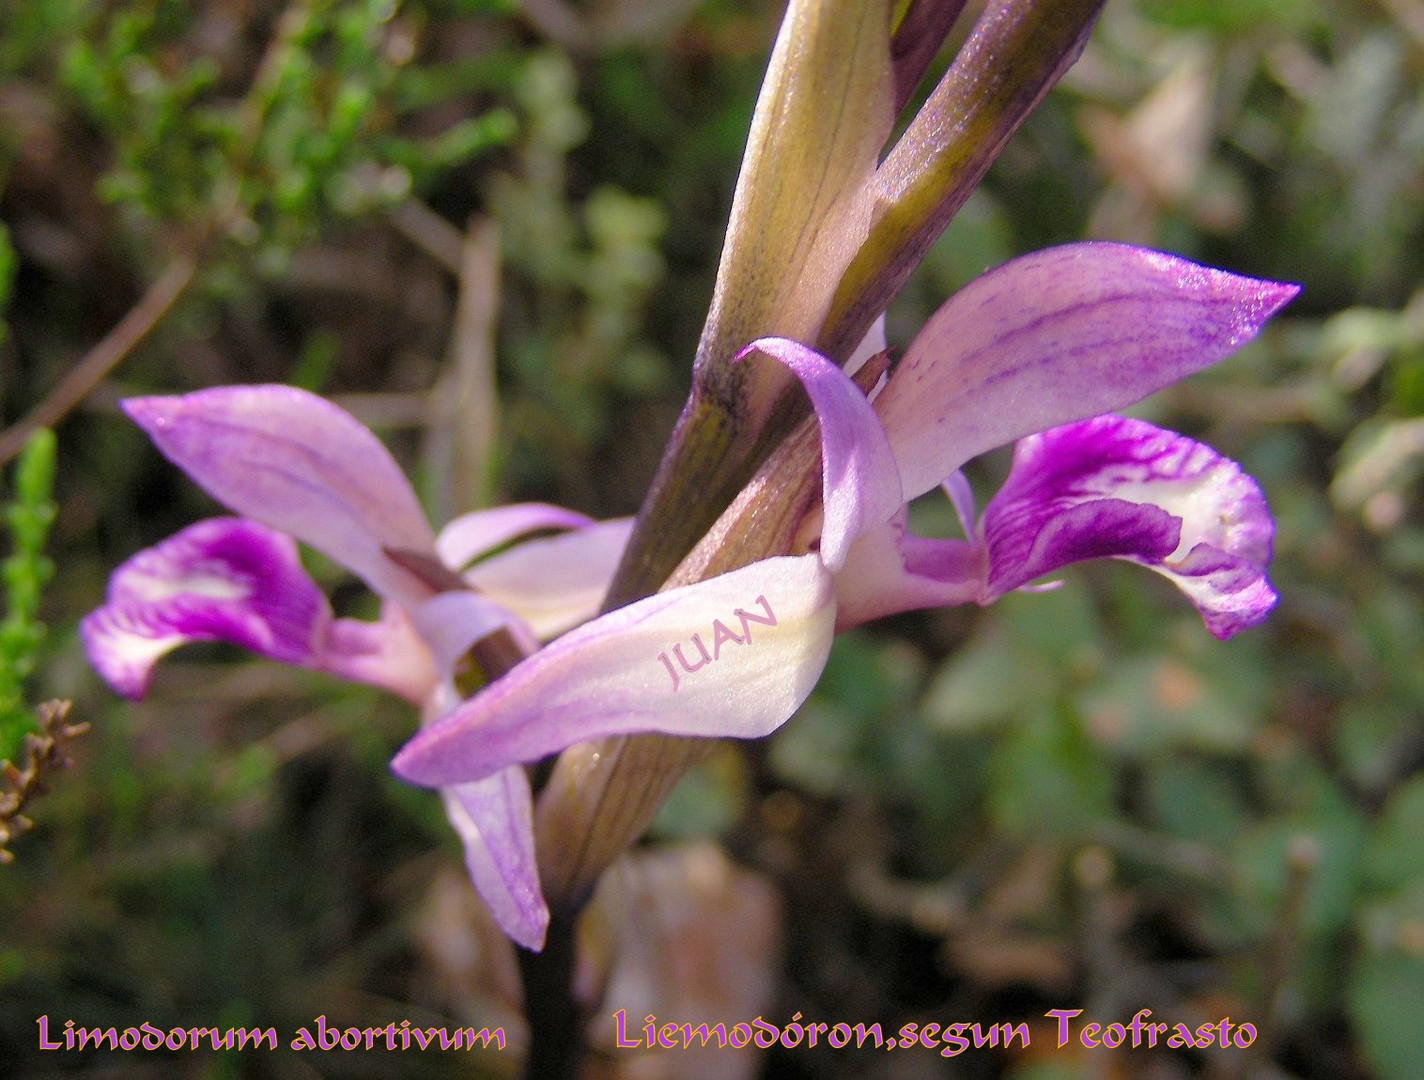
x,y
224,579
451,622
475,535
233,580
493,818
1123,488
732,656
555,583
891,570
296,463
388,653
860,485
1057,336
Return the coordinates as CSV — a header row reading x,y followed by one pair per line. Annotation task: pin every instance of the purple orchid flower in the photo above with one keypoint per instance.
x,y
300,469
1036,351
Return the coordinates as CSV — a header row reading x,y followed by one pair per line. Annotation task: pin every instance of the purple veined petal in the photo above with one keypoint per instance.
x,y
297,463
1058,336
732,656
1123,488
224,579
472,536
861,488
493,818
555,583
889,570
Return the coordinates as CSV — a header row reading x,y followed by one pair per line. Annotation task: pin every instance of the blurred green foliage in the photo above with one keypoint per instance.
x,y
28,515
1076,798
313,136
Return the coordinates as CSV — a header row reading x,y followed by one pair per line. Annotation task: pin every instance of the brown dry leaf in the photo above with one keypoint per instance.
x,y
470,963
693,938
680,932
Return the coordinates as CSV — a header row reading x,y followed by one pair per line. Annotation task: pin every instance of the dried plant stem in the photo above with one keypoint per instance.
x,y
44,755
103,357
430,232
463,423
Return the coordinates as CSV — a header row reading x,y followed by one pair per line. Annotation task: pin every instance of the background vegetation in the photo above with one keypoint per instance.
x,y
1072,800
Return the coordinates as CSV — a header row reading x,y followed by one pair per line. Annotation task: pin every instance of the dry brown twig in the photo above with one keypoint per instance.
x,y
103,357
45,754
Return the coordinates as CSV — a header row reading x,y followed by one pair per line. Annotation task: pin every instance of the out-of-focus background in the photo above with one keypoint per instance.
x,y
1075,799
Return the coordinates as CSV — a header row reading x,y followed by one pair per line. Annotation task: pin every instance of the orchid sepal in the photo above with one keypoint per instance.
x,y
732,656
1058,336
300,465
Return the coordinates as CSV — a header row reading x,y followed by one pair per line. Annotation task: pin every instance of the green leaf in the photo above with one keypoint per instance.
x,y
1394,856
985,685
1385,1000
1196,800
1046,780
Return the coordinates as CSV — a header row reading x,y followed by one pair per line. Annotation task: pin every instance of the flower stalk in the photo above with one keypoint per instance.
x,y
891,212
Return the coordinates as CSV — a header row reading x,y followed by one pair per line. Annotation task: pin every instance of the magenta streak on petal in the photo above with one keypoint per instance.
x,y
299,464
1057,336
861,489
475,535
1122,488
224,579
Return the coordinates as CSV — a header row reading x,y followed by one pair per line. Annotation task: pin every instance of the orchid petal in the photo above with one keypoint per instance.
x,y
475,535
734,656
961,497
890,570
387,653
556,583
1057,336
860,480
297,463
493,818
451,622
233,580
1118,487
224,579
